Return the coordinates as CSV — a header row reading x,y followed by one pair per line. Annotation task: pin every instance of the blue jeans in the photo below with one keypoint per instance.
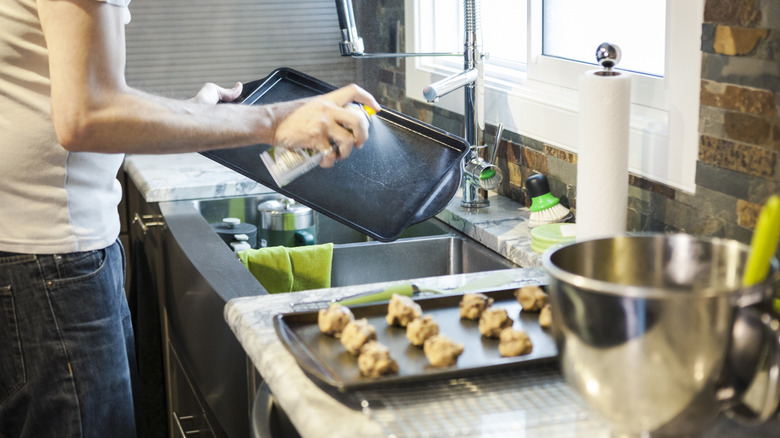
x,y
66,346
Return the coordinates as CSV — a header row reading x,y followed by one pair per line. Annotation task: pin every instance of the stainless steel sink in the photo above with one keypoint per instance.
x,y
328,230
427,249
411,258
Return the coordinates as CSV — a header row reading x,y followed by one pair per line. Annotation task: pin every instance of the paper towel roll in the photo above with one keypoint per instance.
x,y
602,154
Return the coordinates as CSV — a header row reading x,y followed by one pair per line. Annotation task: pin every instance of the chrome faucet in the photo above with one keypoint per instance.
x,y
479,175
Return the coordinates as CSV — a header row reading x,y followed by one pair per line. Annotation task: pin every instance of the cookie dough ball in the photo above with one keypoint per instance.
x,y
472,305
375,361
421,329
545,316
532,298
442,351
332,320
493,321
402,310
513,342
356,334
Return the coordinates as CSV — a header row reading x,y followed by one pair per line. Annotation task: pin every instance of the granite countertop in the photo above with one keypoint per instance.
x,y
175,177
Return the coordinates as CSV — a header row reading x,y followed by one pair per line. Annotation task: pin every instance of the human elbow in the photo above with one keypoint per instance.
x,y
74,130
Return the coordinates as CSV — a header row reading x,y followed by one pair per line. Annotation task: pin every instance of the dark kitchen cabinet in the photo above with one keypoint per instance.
x,y
196,379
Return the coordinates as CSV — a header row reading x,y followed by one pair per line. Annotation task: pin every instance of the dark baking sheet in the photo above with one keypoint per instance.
x,y
325,359
407,171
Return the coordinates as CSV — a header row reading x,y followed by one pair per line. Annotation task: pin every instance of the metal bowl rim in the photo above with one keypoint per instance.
x,y
624,290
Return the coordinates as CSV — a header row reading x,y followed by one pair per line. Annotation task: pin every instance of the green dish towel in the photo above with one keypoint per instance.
x,y
281,269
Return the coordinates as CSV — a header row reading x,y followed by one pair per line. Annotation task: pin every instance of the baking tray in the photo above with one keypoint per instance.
x,y
406,172
325,359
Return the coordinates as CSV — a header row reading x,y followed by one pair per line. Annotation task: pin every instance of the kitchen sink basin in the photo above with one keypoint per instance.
x,y
411,258
427,249
327,229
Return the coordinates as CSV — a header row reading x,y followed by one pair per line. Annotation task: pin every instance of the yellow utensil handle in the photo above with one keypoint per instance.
x,y
764,243
380,295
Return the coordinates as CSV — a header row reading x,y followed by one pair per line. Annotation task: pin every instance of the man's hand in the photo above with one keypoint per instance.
x,y
213,94
324,122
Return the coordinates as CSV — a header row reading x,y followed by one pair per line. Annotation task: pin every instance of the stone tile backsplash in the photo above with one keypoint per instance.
x,y
738,164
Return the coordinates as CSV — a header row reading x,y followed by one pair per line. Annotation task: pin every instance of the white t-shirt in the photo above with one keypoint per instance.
x,y
51,200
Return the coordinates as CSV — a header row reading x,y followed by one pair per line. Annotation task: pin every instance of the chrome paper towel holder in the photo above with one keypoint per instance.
x,y
608,55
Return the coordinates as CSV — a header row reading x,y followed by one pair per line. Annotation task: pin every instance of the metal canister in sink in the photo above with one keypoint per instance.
x,y
284,222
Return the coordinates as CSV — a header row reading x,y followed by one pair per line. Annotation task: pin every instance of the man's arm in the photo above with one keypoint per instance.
x,y
93,109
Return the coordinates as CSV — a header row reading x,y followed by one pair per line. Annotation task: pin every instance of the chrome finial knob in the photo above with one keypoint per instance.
x,y
608,55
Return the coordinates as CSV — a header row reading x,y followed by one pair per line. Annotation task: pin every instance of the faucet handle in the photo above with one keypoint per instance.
x,y
485,174
496,142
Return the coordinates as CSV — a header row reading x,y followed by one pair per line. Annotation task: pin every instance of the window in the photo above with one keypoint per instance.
x,y
536,57
637,25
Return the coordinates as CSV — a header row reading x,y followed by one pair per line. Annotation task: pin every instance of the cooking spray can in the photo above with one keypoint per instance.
x,y
285,165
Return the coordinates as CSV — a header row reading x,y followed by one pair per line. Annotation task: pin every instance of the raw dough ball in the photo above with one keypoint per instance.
x,y
332,320
545,316
375,360
421,329
493,321
472,305
514,342
402,310
356,334
532,298
442,351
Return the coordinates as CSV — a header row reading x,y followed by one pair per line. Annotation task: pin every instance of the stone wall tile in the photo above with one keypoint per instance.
x,y
711,121
562,170
737,40
740,12
387,76
742,158
760,189
711,203
651,186
515,174
535,160
725,181
741,70
776,135
708,37
657,209
739,233
747,213
737,98
569,157
770,10
531,143
747,128
769,48
513,153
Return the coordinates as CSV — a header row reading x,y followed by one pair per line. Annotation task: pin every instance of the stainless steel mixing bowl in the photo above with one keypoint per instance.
x,y
645,327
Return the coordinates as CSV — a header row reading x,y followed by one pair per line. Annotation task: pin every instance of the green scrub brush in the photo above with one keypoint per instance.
x,y
545,208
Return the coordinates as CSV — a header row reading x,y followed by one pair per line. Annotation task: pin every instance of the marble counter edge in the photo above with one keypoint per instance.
x,y
502,227
177,177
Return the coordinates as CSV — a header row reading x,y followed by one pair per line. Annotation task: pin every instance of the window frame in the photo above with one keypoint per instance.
x,y
542,102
